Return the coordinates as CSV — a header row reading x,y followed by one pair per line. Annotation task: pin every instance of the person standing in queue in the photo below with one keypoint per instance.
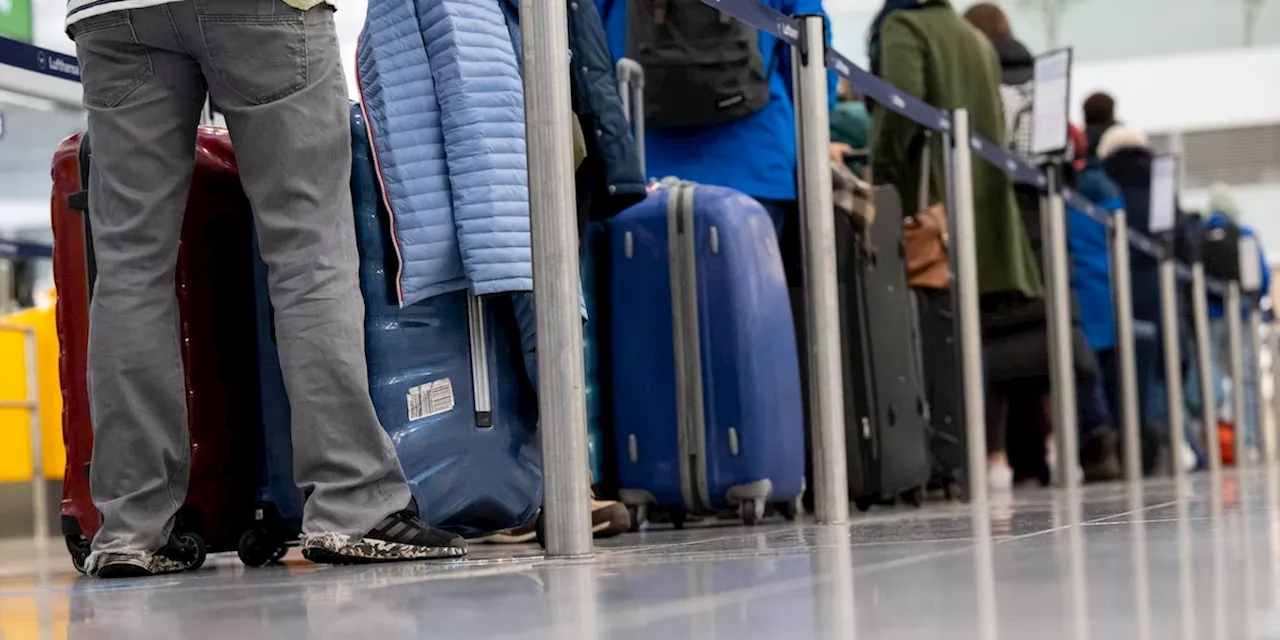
x,y
925,49
147,67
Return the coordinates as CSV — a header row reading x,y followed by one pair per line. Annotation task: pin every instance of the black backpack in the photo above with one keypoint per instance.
x,y
701,66
1220,251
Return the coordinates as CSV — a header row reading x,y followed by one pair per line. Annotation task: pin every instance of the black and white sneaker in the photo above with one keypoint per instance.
x,y
400,536
181,553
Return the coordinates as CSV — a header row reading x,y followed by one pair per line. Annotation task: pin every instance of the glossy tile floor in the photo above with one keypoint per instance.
x,y
1200,560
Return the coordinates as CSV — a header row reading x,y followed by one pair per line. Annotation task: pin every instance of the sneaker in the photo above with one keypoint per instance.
x,y
1100,457
400,536
999,477
522,534
609,518
176,555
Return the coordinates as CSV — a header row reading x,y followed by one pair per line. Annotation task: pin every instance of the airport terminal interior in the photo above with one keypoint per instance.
x,y
1200,560
882,343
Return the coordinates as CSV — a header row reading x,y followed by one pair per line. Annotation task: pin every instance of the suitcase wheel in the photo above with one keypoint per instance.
x,y
678,517
913,496
751,512
78,547
194,549
864,504
258,548
789,510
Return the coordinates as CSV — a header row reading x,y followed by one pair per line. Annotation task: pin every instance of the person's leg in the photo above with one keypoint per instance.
x,y
999,470
274,72
144,104
1099,442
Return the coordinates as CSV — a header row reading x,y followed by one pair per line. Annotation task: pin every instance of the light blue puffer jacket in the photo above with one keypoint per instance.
x,y
444,102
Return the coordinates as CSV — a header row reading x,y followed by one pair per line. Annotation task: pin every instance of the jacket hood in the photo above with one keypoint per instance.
x,y
1130,168
1016,62
1121,137
1221,201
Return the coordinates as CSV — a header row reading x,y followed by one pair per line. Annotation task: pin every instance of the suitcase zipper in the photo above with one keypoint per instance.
x,y
479,361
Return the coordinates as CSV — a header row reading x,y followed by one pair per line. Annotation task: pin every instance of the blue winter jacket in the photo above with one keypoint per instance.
x,y
755,154
1217,221
1090,263
444,104
612,180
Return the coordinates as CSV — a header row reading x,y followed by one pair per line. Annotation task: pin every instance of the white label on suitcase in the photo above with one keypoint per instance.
x,y
430,399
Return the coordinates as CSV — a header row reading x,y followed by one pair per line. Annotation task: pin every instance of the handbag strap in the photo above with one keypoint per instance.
x,y
922,194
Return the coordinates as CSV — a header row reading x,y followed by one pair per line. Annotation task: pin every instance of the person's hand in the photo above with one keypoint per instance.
x,y
838,150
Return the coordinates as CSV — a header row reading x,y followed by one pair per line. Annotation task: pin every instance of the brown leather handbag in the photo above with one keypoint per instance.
x,y
926,237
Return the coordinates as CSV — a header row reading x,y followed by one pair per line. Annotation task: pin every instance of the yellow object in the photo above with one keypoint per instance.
x,y
15,423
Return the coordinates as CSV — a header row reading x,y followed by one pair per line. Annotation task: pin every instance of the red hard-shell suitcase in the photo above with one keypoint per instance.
x,y
214,286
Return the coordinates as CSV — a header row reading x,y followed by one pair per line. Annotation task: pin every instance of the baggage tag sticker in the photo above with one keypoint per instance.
x,y
430,399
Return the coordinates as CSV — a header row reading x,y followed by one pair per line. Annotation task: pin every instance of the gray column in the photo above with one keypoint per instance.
x,y
1126,355
556,279
1172,360
1204,366
1062,373
826,377
1235,348
1265,433
964,269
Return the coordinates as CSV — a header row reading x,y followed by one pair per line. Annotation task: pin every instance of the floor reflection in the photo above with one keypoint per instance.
x,y
1191,559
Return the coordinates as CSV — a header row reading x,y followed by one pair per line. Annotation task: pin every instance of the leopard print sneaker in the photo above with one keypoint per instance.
x,y
400,536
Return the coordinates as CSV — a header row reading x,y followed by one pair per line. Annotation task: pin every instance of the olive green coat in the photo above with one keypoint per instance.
x,y
933,54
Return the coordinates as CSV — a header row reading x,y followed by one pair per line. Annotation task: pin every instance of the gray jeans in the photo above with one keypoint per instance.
x,y
275,73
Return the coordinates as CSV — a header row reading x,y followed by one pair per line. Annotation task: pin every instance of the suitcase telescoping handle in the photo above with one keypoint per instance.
x,y
79,201
631,87
479,361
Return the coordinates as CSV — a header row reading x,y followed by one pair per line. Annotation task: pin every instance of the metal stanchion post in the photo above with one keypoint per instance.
x,y
1235,346
1126,352
556,279
1255,342
826,377
1172,360
1062,376
6,287
1272,441
965,271
1204,367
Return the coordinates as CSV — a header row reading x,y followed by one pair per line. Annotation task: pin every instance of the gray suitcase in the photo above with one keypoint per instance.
x,y
886,411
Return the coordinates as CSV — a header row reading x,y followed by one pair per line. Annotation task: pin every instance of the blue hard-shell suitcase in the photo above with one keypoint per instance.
x,y
706,376
471,451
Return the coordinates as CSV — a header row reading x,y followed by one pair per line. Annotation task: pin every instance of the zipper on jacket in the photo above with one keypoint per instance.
x,y
382,190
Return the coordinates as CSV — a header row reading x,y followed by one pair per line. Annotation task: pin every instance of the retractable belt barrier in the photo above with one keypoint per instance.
x,y
922,113
24,250
61,66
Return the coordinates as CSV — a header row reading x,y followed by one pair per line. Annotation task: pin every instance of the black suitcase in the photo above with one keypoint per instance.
x,y
886,412
941,365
